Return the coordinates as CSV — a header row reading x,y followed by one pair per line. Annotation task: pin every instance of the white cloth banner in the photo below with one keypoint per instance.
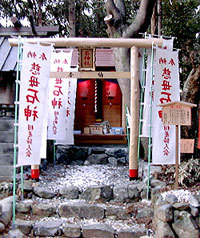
x,y
166,89
58,96
70,113
33,95
147,95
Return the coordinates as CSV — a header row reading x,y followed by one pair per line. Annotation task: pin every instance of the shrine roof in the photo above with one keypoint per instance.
x,y
180,103
8,56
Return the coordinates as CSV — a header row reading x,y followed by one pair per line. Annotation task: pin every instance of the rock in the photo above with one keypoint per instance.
x,y
133,192
120,193
27,185
6,215
1,209
97,159
69,192
159,202
122,161
24,206
43,193
181,206
71,230
2,227
163,230
171,198
194,200
184,226
194,211
15,234
112,161
164,213
79,210
120,153
98,231
43,210
157,183
97,193
48,228
131,233
155,194
6,188
81,154
145,212
98,150
24,226
115,212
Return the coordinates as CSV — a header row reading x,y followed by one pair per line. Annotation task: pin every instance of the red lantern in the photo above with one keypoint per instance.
x,y
84,88
111,89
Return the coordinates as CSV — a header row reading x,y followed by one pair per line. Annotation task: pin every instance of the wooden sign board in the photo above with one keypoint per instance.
x,y
187,146
176,115
87,59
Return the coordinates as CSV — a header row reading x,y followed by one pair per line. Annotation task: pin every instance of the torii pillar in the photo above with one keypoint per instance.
x,y
134,111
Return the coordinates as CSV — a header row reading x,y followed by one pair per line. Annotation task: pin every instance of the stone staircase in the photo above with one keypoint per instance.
x,y
6,148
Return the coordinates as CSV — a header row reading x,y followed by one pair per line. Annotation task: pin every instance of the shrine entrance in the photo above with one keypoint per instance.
x,y
134,44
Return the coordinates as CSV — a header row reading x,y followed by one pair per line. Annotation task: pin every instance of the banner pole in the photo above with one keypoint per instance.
x,y
150,127
54,153
19,54
177,149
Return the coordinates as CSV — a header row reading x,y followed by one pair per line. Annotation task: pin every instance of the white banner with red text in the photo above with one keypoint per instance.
x,y
58,96
166,89
70,111
33,95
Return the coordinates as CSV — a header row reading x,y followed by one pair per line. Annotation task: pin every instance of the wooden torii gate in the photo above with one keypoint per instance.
x,y
134,44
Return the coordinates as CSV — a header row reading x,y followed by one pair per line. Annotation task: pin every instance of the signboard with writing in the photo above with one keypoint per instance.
x,y
176,115
187,146
87,59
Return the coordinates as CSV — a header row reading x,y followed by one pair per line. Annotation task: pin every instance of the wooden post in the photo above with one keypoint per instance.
x,y
177,149
35,172
134,111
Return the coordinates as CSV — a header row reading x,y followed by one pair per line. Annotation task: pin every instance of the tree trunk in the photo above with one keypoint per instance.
x,y
72,25
191,93
117,27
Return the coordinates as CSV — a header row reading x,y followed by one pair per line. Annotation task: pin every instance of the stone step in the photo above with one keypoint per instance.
x,y
6,137
58,228
6,124
6,148
6,159
6,173
79,219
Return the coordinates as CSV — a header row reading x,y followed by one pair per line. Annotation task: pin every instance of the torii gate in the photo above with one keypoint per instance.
x,y
134,44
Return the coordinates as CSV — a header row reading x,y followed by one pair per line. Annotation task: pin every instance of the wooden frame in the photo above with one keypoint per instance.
x,y
86,58
134,44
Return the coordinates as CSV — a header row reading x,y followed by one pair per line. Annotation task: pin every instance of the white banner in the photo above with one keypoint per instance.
x,y
58,96
70,111
166,89
33,95
147,95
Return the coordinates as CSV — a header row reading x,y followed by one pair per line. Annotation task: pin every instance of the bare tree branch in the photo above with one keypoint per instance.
x,y
121,7
31,18
142,19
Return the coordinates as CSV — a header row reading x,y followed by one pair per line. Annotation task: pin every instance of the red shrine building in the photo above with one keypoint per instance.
x,y
97,100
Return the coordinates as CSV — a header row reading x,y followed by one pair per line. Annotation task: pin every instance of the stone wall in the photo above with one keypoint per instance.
x,y
86,155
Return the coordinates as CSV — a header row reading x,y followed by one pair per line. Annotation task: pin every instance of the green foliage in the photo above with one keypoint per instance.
x,y
182,20
89,15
